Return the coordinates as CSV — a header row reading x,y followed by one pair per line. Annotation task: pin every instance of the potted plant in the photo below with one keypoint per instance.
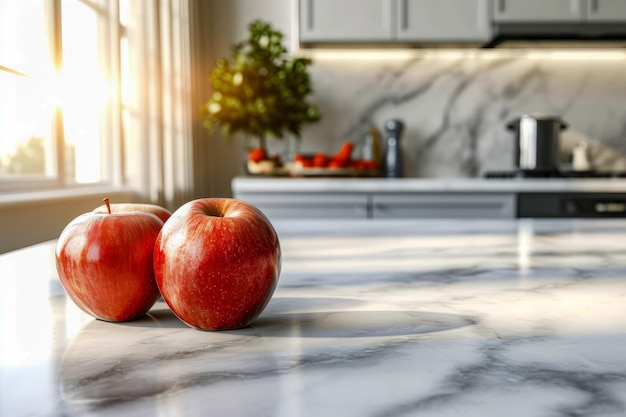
x,y
260,92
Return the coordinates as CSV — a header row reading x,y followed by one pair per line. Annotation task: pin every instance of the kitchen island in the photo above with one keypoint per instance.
x,y
414,198
389,318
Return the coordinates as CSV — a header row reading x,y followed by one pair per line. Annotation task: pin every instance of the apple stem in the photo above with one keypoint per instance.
x,y
106,203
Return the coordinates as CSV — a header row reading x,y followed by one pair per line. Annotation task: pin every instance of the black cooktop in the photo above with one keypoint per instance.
x,y
554,174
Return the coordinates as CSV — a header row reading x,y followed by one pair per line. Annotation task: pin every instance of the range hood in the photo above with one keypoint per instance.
x,y
558,35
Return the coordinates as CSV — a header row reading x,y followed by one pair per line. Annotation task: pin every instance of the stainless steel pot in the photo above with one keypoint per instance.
x,y
537,138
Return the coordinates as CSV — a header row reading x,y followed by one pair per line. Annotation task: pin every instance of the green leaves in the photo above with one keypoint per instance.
x,y
260,91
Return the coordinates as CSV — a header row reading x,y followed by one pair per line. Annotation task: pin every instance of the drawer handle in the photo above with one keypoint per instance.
x,y
309,11
405,14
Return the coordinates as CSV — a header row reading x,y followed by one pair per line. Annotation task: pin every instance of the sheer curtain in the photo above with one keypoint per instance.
x,y
164,140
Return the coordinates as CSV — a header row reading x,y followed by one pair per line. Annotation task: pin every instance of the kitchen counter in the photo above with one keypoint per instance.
x,y
251,184
388,318
412,198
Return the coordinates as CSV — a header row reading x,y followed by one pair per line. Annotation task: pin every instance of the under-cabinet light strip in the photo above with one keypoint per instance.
x,y
404,54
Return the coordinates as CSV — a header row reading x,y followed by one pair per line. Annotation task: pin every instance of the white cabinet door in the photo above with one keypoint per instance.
x,y
290,205
529,11
444,20
346,20
606,10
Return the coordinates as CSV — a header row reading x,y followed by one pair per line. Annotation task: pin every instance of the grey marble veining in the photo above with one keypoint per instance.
x,y
389,318
456,107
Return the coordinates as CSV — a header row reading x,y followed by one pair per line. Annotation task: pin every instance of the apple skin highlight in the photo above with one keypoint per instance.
x,y
217,262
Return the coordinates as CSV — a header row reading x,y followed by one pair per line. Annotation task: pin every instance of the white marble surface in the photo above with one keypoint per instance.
x,y
251,184
390,318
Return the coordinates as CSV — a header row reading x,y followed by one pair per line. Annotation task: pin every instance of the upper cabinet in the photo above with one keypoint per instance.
x,y
346,20
443,20
385,21
606,10
571,11
456,22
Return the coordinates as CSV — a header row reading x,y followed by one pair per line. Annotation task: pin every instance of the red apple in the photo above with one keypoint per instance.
x,y
104,261
217,262
159,211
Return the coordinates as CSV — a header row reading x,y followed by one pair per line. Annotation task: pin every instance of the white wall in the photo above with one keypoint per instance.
x,y
30,219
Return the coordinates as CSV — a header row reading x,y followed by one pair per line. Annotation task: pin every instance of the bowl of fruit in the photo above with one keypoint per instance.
x,y
340,164
260,163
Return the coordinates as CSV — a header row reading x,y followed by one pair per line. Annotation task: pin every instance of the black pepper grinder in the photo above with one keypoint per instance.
x,y
393,154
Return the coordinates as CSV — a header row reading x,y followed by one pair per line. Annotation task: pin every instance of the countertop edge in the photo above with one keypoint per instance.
x,y
424,185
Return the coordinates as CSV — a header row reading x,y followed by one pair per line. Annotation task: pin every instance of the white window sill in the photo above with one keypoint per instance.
x,y
35,217
36,197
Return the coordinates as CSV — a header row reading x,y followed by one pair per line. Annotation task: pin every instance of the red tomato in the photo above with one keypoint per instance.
x,y
360,164
257,155
333,163
371,165
320,160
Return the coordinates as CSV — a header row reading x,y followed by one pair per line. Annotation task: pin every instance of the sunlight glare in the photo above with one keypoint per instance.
x,y
84,89
17,315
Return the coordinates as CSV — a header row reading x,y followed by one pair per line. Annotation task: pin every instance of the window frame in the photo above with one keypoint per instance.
x,y
111,126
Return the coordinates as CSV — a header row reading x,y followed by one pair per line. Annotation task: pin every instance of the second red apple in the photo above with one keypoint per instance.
x,y
217,263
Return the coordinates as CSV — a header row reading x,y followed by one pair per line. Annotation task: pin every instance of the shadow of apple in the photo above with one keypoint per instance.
x,y
141,367
350,324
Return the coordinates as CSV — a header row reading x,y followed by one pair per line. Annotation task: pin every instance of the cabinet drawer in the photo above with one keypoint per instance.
x,y
443,206
308,206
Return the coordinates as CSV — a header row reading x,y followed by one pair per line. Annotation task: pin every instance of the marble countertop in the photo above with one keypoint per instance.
x,y
389,318
251,184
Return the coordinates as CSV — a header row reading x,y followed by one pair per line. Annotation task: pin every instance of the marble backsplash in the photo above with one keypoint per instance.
x,y
456,106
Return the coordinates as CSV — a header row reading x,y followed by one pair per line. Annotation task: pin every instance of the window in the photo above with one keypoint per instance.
x,y
59,92
109,92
